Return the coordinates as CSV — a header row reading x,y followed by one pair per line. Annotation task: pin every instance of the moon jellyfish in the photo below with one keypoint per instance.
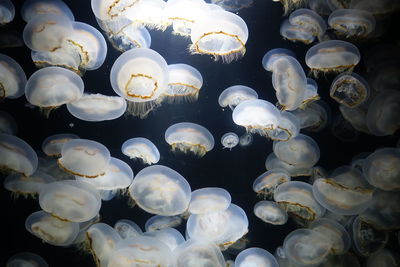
x,y
160,190
26,259
352,23
317,172
127,228
184,83
169,236
59,58
7,12
314,117
234,95
310,94
349,89
272,162
220,34
246,139
83,227
97,107
209,199
265,184
20,184
309,20
53,144
255,257
141,77
295,33
229,140
158,222
70,200
332,56
127,37
17,155
50,229
269,58
320,6
8,125
141,148
384,257
232,5
356,117
223,227
270,212
187,136
12,78
32,8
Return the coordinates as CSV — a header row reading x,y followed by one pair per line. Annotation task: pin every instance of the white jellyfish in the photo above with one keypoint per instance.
x,y
274,54
33,8
26,259
352,23
127,228
229,140
209,199
53,144
150,14
12,78
7,12
20,184
270,212
141,148
349,89
234,95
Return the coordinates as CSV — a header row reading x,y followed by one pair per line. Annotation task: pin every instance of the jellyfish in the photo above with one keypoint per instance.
x,y
246,139
51,87
83,227
97,107
255,257
266,183
233,5
26,259
141,148
337,4
357,117
149,14
127,228
109,10
270,212
295,33
209,199
33,8
332,56
308,20
234,95
12,78
169,236
8,125
314,117
229,140
59,58
272,162
350,90
221,34
274,54
51,167
7,12
158,222
26,186
187,136
310,94
141,77
352,23
184,83
320,6
53,144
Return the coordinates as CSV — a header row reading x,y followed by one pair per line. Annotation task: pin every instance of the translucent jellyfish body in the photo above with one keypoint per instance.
x,y
160,190
384,257
141,77
187,136
270,212
184,83
234,95
266,183
53,144
272,162
158,222
229,140
223,228
12,78
51,229
149,14
84,157
8,125
141,148
33,8
169,236
97,107
352,23
83,227
232,5
111,10
127,228
70,200
274,54
319,6
255,257
209,199
7,11
221,34
26,259
17,155
349,89
308,20
332,56
295,33
31,185
246,139
313,117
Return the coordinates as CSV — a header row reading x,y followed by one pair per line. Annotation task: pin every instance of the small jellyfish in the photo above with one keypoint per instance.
x,y
51,167
311,93
229,140
209,199
232,5
149,14
59,58
12,78
7,11
266,183
83,227
352,23
141,148
272,162
33,8
255,257
234,95
349,89
246,139
158,222
289,5
378,8
53,144
8,125
20,184
314,117
127,228
274,54
26,259
170,236
187,136
270,212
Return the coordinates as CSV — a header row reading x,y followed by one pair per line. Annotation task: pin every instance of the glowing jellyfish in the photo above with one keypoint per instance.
x,y
352,23
141,77
308,20
127,228
314,117
233,5
20,184
26,259
8,125
12,78
53,144
59,58
7,12
51,87
220,34
295,33
270,212
111,10
70,200
158,222
229,140
184,83
383,257
97,107
310,94
150,14
17,155
32,8
272,162
209,199
169,236
50,229
274,54
160,190
266,183
234,95
246,139
255,257
187,136
332,56
350,90
141,148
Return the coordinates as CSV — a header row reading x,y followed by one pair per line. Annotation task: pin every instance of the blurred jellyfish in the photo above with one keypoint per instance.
x,y
141,77
357,117
83,227
170,236
12,78
51,167
26,186
7,11
233,5
343,130
184,83
187,136
229,140
209,199
272,162
317,172
310,94
32,8
53,144
377,8
127,228
332,56
269,58
265,184
149,14
10,38
349,89
352,23
319,6
26,259
270,212
234,95
221,34
158,222
314,117
384,257
295,33
141,148
111,10
255,257
8,125
289,5
128,37
246,139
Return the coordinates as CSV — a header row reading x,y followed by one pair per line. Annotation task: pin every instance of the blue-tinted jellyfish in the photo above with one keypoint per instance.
x,y
266,183
187,136
352,23
53,144
246,139
221,34
32,8
313,117
349,89
127,228
12,78
274,54
357,117
158,222
141,77
233,5
26,186
255,257
26,259
141,148
234,95
7,11
311,93
150,14
270,212
209,199
170,236
8,125
229,140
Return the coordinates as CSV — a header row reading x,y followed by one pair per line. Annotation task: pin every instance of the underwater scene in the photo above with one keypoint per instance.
x,y
200,133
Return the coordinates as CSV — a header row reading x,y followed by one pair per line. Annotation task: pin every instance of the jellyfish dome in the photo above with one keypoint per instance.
x,y
209,199
150,14
270,212
266,183
273,162
26,259
229,140
53,144
273,54
246,139
23,185
349,89
141,148
7,11
127,37
234,95
352,23
158,222
187,136
221,34
309,20
109,10
255,257
127,228
170,236
12,78
33,8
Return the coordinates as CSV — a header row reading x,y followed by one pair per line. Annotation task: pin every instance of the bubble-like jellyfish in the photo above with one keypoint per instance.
x,y
8,125
26,259
317,172
310,94
33,8
150,14
229,140
266,183
160,190
127,228
209,199
20,184
141,77
233,5
17,155
141,148
314,117
53,144
352,23
7,12
184,83
70,200
50,166
308,20
158,222
272,162
270,212
246,139
332,56
234,95
255,257
384,257
170,236
349,89
274,54
187,136
221,34
50,229
59,58
295,33
12,78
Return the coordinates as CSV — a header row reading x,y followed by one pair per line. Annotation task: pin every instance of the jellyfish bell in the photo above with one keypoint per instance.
x,y
229,140
53,144
109,10
127,228
349,89
7,12
170,236
141,148
12,78
270,212
234,95
32,8
352,23
59,58
274,54
266,183
26,259
255,257
246,139
209,199
295,33
309,21
232,5
158,222
272,162
127,37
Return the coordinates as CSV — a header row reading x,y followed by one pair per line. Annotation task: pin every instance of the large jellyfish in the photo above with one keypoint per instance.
x,y
7,11
349,89
12,78
150,14
270,212
33,8
53,144
352,23
234,95
141,148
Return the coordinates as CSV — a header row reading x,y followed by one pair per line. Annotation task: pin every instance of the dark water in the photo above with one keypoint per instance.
x,y
233,170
